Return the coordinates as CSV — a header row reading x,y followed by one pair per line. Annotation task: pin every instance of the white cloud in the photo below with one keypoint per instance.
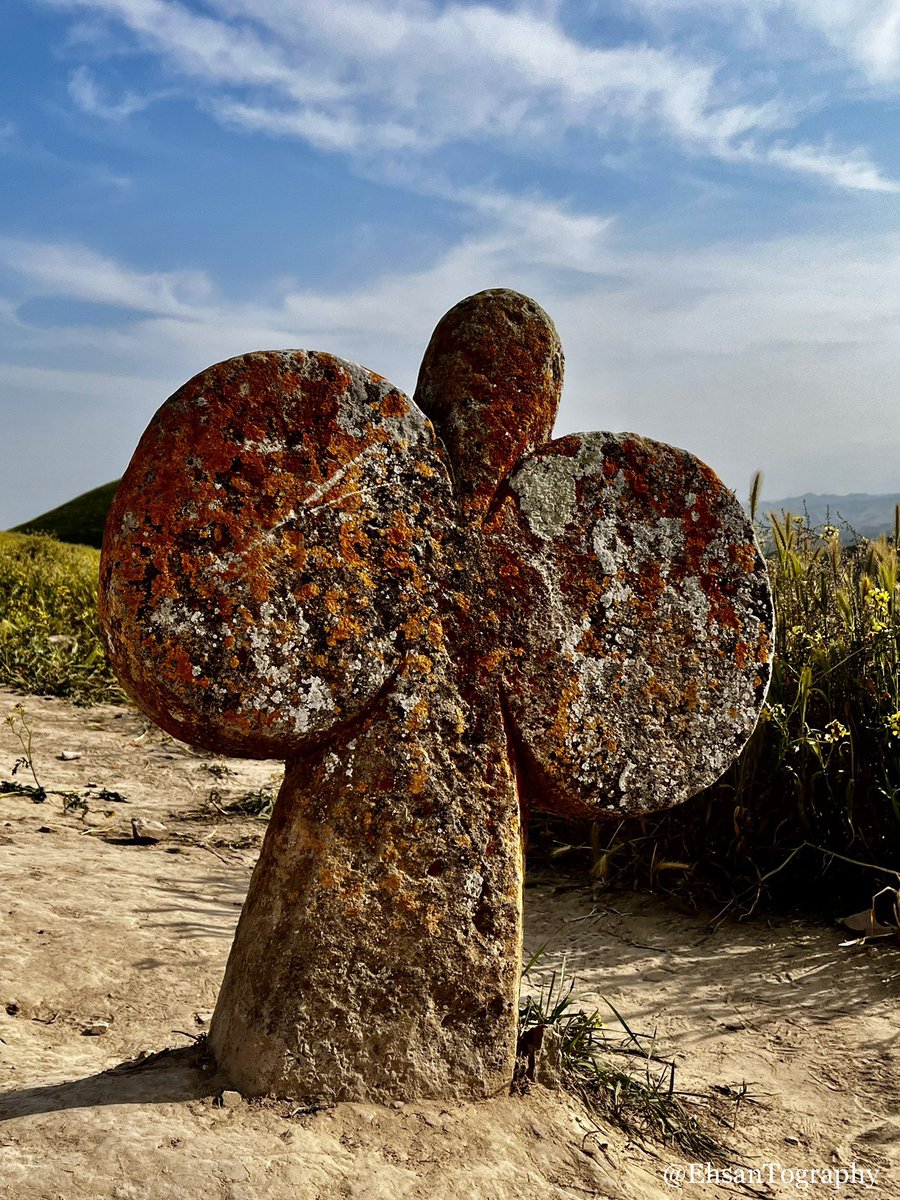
x,y
211,50
867,31
374,77
863,32
78,273
63,381
342,133
761,355
853,171
88,96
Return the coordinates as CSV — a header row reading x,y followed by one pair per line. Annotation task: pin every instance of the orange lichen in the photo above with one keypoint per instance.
x,y
346,627
418,664
745,555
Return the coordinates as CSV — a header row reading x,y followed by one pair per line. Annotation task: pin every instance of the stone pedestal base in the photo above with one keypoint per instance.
x,y
378,953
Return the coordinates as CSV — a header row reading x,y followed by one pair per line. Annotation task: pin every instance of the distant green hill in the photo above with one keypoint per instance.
x,y
80,521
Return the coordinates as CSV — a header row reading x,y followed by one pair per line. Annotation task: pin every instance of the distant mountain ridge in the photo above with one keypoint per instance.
x,y
864,513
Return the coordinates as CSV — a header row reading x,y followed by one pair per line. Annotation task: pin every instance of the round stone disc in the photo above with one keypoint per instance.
x,y
491,382
641,627
267,558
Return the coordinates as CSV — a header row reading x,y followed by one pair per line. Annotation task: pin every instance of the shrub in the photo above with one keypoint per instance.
x,y
49,636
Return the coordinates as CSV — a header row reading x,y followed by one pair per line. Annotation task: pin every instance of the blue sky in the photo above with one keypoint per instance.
x,y
704,194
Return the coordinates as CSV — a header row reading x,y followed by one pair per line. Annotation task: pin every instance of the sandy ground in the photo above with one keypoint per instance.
x,y
97,928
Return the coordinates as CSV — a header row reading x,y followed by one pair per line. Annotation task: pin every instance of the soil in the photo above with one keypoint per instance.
x,y
112,948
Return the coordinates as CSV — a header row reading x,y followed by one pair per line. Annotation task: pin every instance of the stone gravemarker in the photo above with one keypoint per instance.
x,y
439,618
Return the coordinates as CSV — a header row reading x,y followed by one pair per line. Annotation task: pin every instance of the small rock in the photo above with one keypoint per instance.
x,y
146,825
792,1141
69,755
230,1099
398,1104
143,831
96,1028
203,1017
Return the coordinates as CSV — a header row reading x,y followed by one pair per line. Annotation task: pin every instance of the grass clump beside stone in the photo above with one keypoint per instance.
x,y
49,634
617,1072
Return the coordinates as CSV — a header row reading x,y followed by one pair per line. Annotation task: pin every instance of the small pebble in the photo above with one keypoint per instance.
x,y
69,755
230,1099
96,1028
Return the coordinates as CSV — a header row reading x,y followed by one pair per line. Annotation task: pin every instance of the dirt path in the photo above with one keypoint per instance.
x,y
96,928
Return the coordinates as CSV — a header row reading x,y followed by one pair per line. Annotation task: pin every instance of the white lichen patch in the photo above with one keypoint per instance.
x,y
177,619
265,445
473,882
545,487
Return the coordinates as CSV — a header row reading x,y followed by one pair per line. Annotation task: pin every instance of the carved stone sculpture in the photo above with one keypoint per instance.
x,y
439,618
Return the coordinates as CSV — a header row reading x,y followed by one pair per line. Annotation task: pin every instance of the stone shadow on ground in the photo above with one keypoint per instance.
x,y
170,1076
794,970
205,904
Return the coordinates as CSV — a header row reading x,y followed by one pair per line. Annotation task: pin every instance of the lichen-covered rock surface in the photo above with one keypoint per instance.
x,y
267,561
639,655
437,626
